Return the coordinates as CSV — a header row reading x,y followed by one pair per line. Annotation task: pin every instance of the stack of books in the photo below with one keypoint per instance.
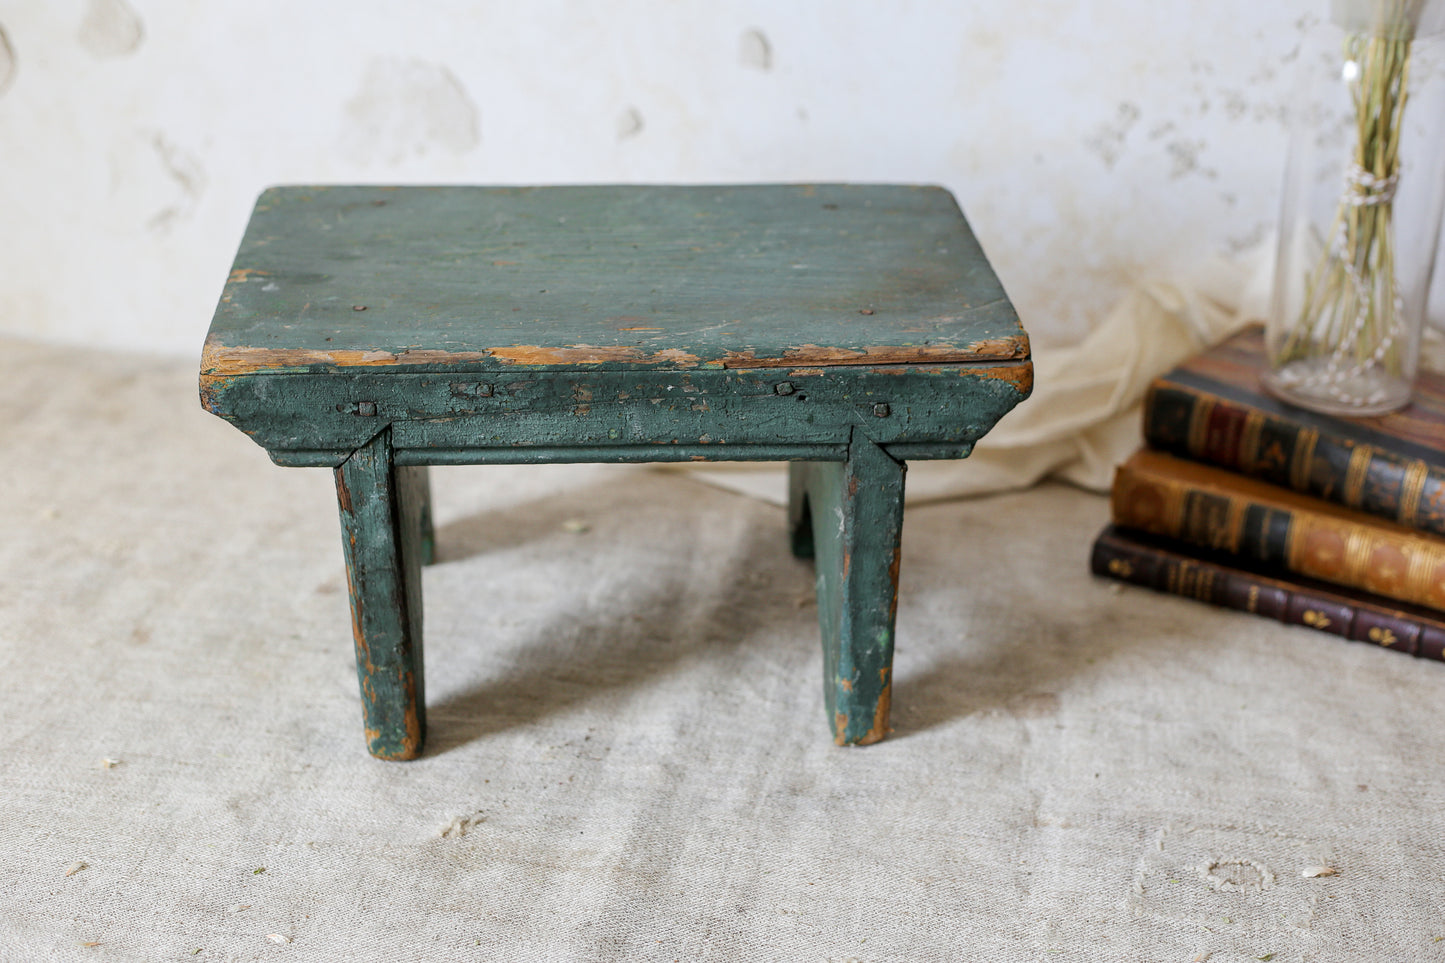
x,y
1242,501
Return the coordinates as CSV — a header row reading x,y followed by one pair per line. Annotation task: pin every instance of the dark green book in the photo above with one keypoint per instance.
x,y
1212,409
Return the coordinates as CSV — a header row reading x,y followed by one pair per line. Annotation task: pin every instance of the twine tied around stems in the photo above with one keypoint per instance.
x,y
1363,189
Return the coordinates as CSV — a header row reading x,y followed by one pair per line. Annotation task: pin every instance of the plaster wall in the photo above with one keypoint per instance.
x,y
1091,144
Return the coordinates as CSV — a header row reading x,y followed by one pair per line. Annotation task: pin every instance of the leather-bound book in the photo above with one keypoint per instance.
x,y
1212,409
1241,516
1218,579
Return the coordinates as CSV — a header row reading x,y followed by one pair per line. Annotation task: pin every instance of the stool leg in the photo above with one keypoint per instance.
x,y
381,527
800,522
421,484
857,515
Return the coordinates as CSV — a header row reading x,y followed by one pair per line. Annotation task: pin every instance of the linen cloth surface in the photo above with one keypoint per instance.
x,y
628,758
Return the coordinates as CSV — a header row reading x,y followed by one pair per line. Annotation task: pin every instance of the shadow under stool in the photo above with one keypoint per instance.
x,y
845,329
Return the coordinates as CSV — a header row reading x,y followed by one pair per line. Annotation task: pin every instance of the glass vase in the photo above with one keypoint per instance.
x,y
1361,208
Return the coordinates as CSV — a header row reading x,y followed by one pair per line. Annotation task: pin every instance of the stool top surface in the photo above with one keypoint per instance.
x,y
479,278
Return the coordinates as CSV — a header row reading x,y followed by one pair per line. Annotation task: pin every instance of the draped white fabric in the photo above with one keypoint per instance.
x,y
1083,417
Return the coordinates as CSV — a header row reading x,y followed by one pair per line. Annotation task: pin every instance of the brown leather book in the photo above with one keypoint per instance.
x,y
1218,579
1212,409
1224,511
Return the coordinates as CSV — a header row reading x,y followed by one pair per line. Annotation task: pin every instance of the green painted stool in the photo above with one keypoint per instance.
x,y
842,328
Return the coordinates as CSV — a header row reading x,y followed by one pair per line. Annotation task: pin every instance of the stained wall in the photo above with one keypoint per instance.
x,y
1090,144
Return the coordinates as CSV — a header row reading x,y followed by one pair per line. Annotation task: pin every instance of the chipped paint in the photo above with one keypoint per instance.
x,y
1020,376
242,275
224,361
880,728
412,743
813,355
540,355
343,492
210,394
220,360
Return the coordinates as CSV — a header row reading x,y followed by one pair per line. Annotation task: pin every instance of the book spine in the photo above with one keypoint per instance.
x,y
1204,427
1396,564
1130,561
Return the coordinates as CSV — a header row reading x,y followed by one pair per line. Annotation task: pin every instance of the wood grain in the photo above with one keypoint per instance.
x,y
672,277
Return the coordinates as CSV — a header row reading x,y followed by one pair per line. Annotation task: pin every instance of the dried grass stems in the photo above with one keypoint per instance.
x,y
1352,307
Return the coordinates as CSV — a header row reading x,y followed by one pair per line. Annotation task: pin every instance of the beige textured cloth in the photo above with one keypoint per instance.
x,y
628,757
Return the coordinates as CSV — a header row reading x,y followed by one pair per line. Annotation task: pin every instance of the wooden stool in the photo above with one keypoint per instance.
x,y
844,329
